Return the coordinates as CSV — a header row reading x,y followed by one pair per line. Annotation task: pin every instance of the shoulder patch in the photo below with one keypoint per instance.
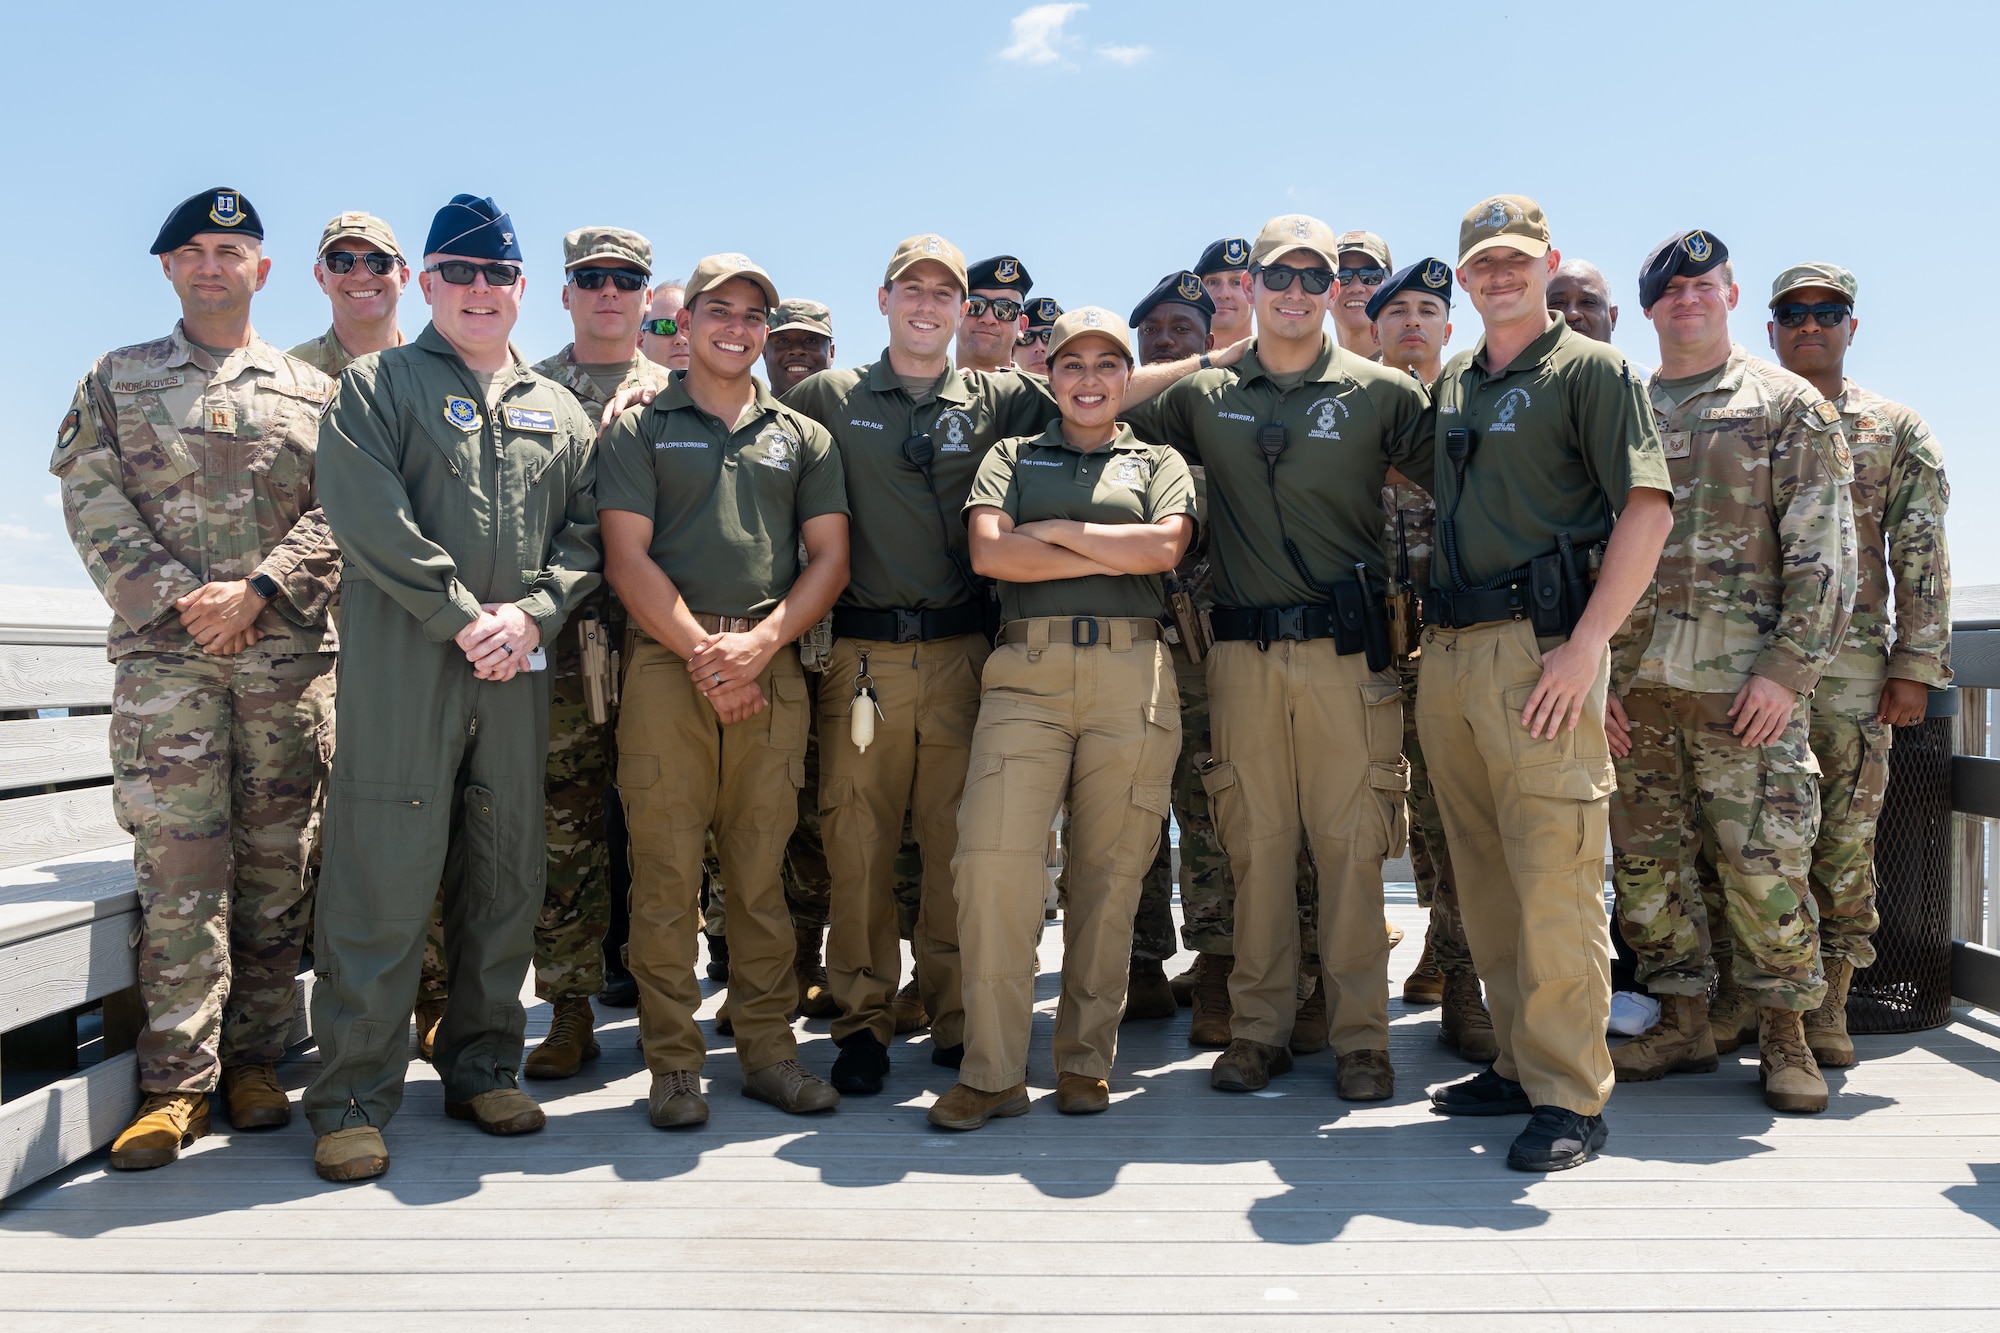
x,y
1925,450
67,432
530,419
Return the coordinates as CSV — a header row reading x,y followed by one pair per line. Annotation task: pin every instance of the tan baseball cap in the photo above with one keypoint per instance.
x,y
801,314
359,226
1293,231
1510,220
1368,243
1074,324
718,269
588,243
1831,276
928,246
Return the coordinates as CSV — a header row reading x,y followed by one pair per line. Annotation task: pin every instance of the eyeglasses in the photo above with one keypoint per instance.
x,y
1367,277
1003,309
1827,314
342,261
1035,336
661,328
1278,279
461,272
624,279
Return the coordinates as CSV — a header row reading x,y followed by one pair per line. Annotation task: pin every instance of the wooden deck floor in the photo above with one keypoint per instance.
x,y
1288,1207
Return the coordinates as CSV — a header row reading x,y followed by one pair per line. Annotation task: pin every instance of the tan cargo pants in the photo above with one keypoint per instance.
x,y
929,697
1308,746
682,773
1526,820
1099,727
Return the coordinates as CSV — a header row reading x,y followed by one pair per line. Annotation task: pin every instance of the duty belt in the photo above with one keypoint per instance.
x,y
901,625
1272,623
1461,610
709,624
1081,631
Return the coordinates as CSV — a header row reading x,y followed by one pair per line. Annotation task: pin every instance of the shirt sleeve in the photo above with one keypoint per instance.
x,y
1167,418
575,551
1819,568
1024,403
625,476
1409,432
813,397
822,475
1919,558
995,483
1621,441
138,576
1170,491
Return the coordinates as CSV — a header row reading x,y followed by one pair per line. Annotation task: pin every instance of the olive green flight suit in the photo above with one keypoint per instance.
x,y
440,502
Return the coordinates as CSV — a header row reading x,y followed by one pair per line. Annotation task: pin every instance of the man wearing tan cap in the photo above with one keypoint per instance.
x,y
1877,680
362,271
1541,437
1364,266
705,497
800,343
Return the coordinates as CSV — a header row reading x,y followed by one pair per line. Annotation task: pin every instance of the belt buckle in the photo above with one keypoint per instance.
x,y
1291,623
1077,625
909,624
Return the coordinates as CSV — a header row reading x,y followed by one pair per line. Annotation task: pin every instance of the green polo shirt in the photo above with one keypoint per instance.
x,y
897,548
1558,440
1126,481
726,504
1345,423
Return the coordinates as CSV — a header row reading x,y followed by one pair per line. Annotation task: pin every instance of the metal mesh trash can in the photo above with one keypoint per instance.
x,y
1909,987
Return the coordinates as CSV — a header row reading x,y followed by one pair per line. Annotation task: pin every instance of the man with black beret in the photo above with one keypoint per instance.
x,y
460,485
1712,683
996,296
1031,349
1221,267
187,473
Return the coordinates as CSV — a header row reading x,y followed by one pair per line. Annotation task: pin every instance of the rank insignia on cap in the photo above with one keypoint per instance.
x,y
1235,252
1007,270
530,419
1698,246
1091,320
1190,287
227,210
461,412
66,433
1436,275
1828,414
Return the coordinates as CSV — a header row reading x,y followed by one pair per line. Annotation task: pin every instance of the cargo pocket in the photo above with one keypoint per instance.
x,y
1382,813
1382,717
788,714
834,793
479,832
1553,826
1873,779
1235,821
636,772
1787,812
1572,765
982,811
131,790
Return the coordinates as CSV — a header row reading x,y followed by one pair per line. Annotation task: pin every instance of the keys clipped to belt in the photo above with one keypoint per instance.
x,y
861,720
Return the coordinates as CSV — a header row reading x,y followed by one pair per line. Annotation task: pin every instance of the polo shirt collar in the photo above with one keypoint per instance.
x,y
882,378
675,396
1251,367
1053,438
1536,352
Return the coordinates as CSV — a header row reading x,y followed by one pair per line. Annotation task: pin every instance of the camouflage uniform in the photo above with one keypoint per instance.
x,y
178,471
1430,859
324,354
576,902
1757,578
1900,495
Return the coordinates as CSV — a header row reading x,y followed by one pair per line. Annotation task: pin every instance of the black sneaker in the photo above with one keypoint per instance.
x,y
951,1057
1485,1093
718,958
1556,1140
862,1064
621,990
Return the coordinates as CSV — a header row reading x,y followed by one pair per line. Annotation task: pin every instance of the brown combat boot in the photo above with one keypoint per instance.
x,y
965,1107
1826,1026
791,1087
723,1026
1465,1026
1425,984
350,1154
1785,1067
1309,1022
429,1014
1182,983
1080,1094
1679,1043
1209,1027
501,1111
1732,1014
1364,1076
570,1042
908,1010
1248,1066
1147,993
815,996
167,1122
254,1099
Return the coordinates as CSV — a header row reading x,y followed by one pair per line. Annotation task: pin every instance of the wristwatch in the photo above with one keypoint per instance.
x,y
265,586
1205,363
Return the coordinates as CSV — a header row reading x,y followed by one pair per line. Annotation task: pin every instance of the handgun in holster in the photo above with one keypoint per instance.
x,y
1188,621
1405,612
1558,589
1359,623
600,685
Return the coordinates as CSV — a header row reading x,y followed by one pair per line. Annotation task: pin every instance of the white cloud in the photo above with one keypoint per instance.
x,y
14,532
52,500
1124,55
1037,30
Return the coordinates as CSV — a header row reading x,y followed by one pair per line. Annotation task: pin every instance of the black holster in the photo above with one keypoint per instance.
x,y
1359,624
1558,590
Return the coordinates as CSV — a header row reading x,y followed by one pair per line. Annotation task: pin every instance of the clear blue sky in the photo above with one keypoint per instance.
x,y
1104,152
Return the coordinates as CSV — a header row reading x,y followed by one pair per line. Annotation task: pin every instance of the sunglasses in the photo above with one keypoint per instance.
x,y
342,262
1367,277
1278,279
624,279
461,272
1003,309
1035,336
1827,314
661,328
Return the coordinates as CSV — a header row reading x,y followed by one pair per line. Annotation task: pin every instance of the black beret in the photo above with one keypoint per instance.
x,y
221,209
1231,252
1432,276
472,227
1043,312
1685,254
1001,271
1183,287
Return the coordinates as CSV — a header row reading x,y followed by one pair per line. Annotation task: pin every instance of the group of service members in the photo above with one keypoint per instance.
x,y
998,574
